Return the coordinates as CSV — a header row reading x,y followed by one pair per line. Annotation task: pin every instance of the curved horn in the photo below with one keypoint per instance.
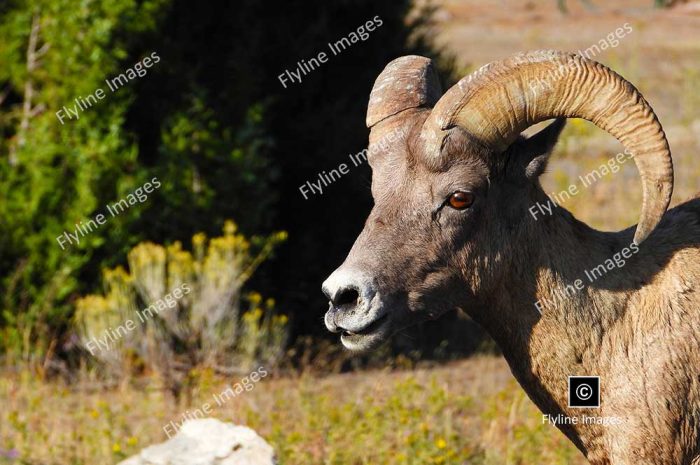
x,y
500,100
406,82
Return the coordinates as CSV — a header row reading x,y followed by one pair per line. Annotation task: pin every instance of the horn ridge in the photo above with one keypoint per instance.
x,y
500,100
406,82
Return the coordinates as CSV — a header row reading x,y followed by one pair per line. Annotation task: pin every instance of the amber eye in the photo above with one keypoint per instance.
x,y
461,200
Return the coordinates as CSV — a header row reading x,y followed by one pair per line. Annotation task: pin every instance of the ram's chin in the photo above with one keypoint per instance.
x,y
366,341
361,343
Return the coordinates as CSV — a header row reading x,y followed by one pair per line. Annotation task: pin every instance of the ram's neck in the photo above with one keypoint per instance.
x,y
565,293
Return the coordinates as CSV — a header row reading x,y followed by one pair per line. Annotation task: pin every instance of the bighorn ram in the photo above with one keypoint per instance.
x,y
451,228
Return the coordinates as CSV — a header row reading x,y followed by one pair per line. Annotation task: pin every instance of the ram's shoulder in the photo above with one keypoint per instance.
x,y
680,226
688,210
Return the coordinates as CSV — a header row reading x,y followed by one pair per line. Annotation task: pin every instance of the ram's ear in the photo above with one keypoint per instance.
x,y
536,149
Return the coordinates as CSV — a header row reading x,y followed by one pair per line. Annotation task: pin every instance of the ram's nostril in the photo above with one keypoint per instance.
x,y
346,296
350,290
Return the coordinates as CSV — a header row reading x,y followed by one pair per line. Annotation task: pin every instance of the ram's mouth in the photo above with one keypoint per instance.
x,y
369,328
368,337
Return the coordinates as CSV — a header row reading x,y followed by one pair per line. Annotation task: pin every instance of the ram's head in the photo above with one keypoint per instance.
x,y
453,187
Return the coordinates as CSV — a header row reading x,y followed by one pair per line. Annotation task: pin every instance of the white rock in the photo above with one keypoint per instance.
x,y
208,442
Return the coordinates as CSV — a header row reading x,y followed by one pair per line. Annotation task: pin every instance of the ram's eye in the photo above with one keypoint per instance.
x,y
461,200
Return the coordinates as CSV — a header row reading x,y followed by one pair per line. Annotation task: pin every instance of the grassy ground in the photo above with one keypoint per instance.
x,y
469,412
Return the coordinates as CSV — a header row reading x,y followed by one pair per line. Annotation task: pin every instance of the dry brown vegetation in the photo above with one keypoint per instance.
x,y
465,412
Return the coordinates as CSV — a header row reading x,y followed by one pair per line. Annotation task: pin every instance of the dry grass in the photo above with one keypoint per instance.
x,y
469,412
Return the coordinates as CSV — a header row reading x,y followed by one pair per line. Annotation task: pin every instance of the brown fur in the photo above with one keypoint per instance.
x,y
636,327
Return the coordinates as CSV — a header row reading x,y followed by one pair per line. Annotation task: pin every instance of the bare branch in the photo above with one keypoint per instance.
x,y
37,110
27,110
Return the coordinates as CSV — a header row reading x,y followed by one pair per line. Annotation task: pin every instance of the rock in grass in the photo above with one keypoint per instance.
x,y
208,442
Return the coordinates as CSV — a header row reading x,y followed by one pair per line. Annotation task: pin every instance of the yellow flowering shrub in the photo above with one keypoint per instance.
x,y
179,309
